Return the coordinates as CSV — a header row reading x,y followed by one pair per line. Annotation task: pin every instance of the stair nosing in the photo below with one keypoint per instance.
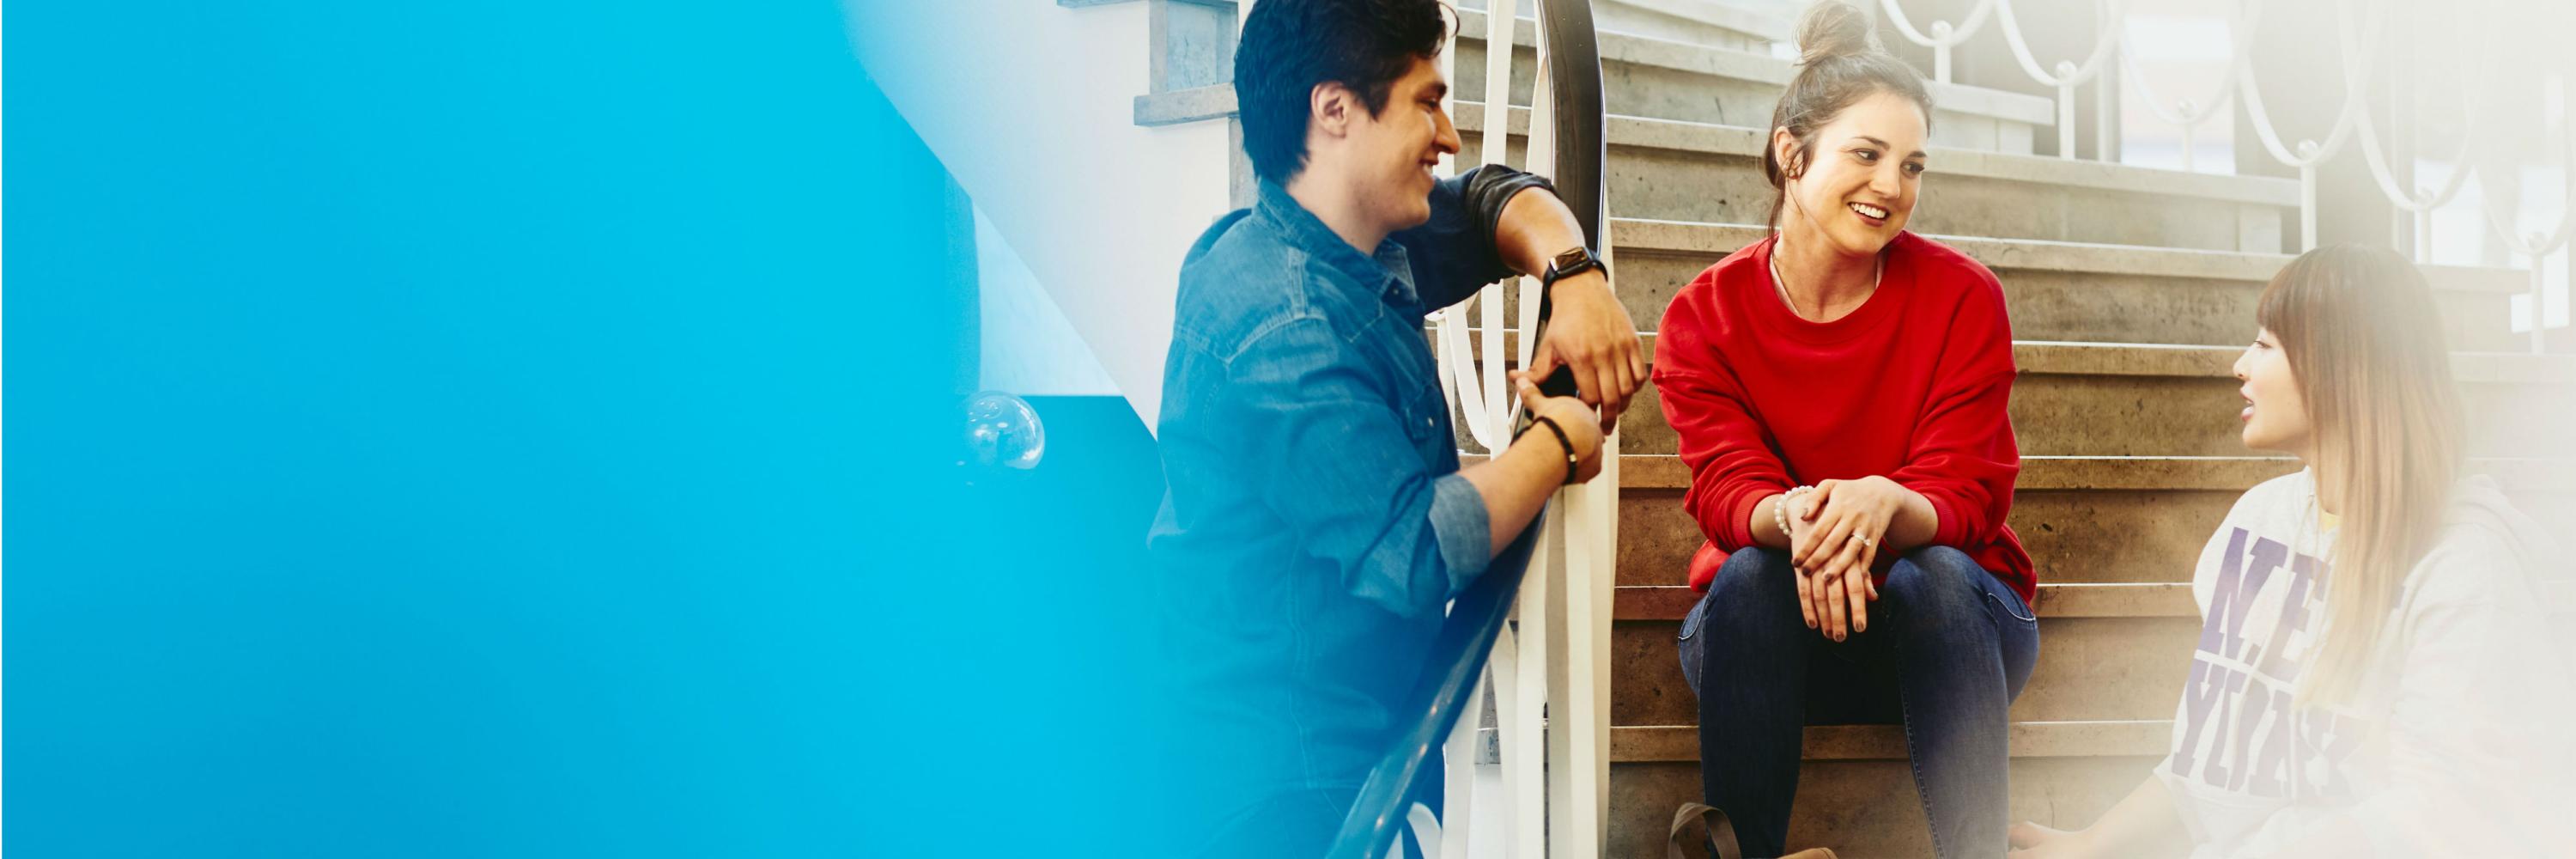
x,y
1665,472
2056,600
1217,101
1661,236
1681,135
1742,21
2185,361
2057,739
1639,49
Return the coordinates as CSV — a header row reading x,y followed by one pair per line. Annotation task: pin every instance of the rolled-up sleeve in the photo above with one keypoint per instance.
x,y
1466,534
1453,253
1332,458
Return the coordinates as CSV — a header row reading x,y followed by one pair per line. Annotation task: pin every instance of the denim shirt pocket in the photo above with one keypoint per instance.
x,y
1424,407
1415,374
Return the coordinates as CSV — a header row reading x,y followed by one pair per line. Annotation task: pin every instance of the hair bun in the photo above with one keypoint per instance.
x,y
1834,28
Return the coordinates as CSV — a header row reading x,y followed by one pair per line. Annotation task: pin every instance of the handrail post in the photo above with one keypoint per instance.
x,y
2187,143
2106,102
2065,115
2307,198
2539,285
1578,126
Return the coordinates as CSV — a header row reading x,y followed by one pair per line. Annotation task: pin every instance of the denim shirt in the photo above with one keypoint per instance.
x,y
1314,525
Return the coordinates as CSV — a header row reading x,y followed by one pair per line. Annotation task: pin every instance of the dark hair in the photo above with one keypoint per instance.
x,y
1839,63
1289,47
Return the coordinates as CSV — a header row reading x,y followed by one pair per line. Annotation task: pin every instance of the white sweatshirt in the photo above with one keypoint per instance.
x,y
2459,741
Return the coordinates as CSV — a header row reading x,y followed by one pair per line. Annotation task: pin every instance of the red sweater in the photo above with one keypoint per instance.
x,y
1912,386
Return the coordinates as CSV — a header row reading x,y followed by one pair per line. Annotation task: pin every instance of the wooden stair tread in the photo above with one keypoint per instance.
x,y
1634,49
1626,131
2078,358
2139,738
2227,473
2056,600
1666,236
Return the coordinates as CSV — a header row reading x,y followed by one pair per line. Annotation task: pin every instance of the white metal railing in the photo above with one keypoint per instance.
x,y
1553,661
2361,42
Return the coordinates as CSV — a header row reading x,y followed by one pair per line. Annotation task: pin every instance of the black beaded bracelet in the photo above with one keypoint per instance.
x,y
1562,442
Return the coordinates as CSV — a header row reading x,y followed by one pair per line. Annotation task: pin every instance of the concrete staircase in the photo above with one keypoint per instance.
x,y
2132,290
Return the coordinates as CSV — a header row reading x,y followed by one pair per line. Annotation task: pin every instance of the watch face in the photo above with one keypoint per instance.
x,y
1569,259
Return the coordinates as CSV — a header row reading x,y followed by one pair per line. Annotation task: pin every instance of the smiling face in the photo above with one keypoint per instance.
x,y
1392,154
1862,174
2276,413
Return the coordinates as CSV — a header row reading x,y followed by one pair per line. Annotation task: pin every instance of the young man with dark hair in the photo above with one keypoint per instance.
x,y
1317,520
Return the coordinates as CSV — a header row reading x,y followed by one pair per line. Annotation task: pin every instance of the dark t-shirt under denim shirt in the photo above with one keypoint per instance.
x,y
1315,524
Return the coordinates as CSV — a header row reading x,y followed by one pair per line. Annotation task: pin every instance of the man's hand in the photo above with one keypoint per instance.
x,y
1570,414
1588,330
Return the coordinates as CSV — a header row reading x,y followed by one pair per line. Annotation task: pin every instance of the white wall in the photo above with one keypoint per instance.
x,y
1031,106
1025,344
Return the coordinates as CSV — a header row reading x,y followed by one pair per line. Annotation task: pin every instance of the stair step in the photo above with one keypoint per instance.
x,y
2099,473
2125,399
1645,76
2115,667
2107,651
1868,809
2083,519
2105,738
2056,600
2135,535
2075,291
1679,170
1697,22
2114,540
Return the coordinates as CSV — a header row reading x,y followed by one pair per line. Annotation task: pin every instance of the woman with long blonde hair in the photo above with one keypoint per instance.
x,y
2376,673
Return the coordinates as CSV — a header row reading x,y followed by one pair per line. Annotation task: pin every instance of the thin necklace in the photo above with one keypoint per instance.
x,y
1877,271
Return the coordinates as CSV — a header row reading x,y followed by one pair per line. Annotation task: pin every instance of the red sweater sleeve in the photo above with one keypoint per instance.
x,y
1732,462
1956,457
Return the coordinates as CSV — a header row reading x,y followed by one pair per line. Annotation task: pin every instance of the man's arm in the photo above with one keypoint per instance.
x,y
1588,329
1491,221
1454,252
1519,482
1334,460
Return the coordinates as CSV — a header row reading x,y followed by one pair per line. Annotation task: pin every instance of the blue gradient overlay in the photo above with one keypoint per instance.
x,y
516,429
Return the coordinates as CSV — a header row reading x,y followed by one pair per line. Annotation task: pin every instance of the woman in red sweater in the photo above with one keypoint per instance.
x,y
1839,392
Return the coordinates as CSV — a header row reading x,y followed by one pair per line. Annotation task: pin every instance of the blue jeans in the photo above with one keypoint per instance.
x,y
1948,648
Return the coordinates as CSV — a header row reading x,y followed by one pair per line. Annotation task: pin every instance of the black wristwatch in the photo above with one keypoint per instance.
x,y
1573,261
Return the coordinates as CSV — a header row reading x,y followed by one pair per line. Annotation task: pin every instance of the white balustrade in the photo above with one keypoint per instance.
x,y
1553,660
2360,28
